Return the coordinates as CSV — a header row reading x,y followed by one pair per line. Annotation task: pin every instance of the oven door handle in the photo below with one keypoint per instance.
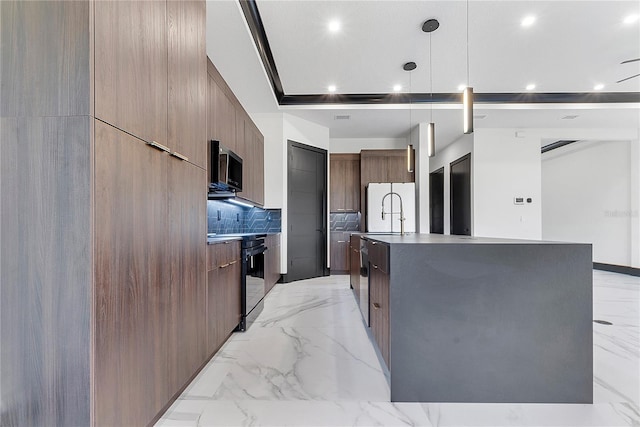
x,y
256,251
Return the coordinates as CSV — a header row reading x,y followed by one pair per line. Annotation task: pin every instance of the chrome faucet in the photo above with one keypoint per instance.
x,y
402,218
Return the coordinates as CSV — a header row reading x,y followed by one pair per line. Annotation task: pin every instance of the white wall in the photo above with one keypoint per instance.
x,y
278,129
506,166
453,151
590,194
354,145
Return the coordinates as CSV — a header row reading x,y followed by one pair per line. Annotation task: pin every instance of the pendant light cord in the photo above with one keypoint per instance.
x,y
430,82
468,43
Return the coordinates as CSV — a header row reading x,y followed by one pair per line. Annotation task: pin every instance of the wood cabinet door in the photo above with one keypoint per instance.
x,y
187,222
131,282
213,295
131,67
233,296
224,119
187,80
259,170
337,184
352,185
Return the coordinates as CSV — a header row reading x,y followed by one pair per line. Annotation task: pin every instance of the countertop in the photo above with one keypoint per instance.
x,y
439,239
219,238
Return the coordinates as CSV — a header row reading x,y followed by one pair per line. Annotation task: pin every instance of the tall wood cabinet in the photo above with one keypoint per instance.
x,y
230,124
345,182
103,262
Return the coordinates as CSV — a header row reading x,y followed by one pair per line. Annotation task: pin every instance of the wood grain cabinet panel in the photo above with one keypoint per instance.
x,y
132,288
187,80
131,67
345,182
340,257
379,298
223,293
187,263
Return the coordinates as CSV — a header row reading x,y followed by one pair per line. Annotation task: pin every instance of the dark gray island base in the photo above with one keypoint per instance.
x,y
489,320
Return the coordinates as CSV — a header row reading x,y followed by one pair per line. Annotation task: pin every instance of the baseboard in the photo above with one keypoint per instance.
x,y
622,269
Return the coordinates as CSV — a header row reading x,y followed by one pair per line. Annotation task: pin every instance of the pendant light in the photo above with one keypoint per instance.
x,y
429,27
467,95
411,161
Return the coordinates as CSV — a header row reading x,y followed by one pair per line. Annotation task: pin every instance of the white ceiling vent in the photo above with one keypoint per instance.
x,y
342,117
570,117
479,116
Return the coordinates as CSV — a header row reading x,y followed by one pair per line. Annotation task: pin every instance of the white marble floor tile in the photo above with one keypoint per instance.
x,y
308,361
296,413
306,364
534,415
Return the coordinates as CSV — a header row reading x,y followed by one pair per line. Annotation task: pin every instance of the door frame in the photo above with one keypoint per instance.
x,y
451,165
437,171
325,224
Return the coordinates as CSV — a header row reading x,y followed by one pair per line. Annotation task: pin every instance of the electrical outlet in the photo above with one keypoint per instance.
x,y
219,215
237,217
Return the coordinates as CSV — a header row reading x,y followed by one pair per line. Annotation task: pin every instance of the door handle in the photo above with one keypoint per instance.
x,y
376,305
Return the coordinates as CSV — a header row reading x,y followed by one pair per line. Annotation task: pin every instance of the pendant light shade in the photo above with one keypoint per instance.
x,y
467,103
431,139
410,158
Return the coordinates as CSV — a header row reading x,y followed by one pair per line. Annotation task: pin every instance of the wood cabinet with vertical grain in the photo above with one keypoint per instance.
x,y
345,182
379,296
131,280
187,80
223,292
340,256
131,67
104,284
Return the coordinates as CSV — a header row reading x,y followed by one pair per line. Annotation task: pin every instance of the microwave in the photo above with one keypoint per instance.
x,y
225,168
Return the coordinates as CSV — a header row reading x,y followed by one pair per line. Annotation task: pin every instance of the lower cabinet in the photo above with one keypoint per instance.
x,y
340,259
223,292
271,262
149,277
354,255
379,296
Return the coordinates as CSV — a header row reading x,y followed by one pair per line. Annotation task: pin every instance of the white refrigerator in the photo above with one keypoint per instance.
x,y
391,221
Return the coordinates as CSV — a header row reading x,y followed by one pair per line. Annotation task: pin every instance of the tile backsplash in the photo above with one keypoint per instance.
x,y
224,218
344,221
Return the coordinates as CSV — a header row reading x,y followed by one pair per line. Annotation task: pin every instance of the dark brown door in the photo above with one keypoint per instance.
x,y
436,201
307,207
460,179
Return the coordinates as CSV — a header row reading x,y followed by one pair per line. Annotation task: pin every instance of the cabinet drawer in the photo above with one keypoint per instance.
x,y
223,253
378,255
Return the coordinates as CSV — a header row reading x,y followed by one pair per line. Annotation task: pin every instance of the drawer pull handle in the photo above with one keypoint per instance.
x,y
179,156
374,243
342,241
376,305
159,146
225,265
232,262
375,266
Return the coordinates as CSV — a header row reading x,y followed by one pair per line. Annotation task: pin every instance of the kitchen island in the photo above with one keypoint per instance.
x,y
483,320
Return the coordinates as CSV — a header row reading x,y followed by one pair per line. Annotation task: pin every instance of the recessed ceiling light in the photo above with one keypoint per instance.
x,y
599,86
461,87
530,86
397,88
631,19
528,21
331,88
334,26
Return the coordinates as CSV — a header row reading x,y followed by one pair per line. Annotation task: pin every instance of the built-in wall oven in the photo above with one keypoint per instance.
x,y
253,284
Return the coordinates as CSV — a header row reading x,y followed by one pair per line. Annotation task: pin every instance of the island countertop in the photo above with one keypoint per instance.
x,y
441,239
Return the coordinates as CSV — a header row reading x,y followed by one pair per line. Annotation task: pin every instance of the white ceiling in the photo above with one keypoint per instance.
x,y
572,46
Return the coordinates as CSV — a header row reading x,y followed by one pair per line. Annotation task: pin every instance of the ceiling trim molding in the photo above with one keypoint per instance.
x,y
449,98
256,27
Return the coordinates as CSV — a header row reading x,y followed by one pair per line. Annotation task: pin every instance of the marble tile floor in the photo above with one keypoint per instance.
x,y
308,361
